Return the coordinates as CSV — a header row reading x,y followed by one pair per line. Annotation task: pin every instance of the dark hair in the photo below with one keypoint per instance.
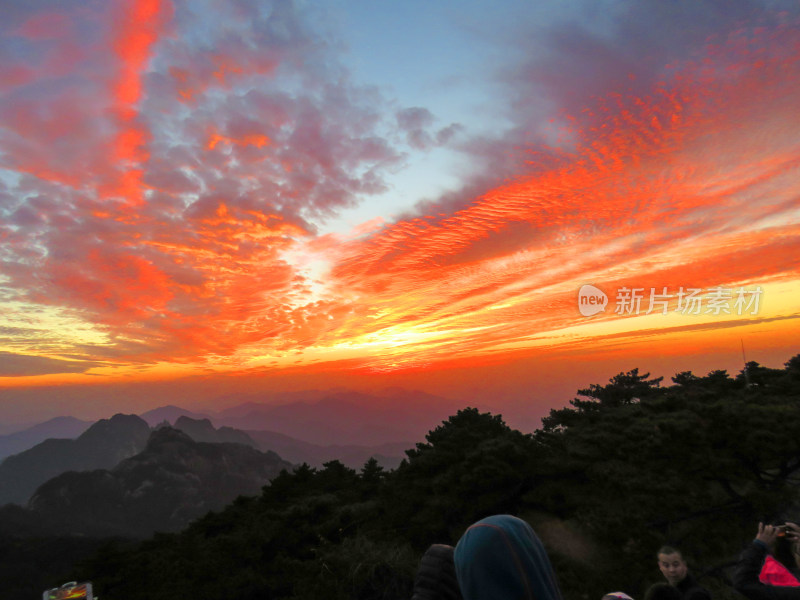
x,y
436,575
669,550
663,591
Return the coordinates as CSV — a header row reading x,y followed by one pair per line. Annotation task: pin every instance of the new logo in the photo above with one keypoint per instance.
x,y
591,300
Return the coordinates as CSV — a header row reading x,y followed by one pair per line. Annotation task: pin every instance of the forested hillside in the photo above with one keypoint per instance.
x,y
626,467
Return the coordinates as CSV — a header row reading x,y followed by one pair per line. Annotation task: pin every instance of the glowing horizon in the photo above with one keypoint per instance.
x,y
175,205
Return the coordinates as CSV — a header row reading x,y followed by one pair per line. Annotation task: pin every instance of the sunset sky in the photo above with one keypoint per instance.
x,y
206,198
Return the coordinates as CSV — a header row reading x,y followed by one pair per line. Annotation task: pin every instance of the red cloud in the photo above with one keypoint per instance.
x,y
224,159
678,187
137,29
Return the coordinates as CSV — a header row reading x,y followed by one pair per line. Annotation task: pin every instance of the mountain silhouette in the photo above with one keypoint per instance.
x,y
388,455
201,430
58,427
170,414
171,482
102,446
346,417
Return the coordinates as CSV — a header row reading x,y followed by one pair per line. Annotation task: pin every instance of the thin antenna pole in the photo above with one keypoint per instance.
x,y
746,372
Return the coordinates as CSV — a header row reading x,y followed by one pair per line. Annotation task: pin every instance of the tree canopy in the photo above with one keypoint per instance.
x,y
626,467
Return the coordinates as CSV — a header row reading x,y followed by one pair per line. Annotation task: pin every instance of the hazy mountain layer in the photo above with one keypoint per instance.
x,y
58,427
102,446
173,481
201,430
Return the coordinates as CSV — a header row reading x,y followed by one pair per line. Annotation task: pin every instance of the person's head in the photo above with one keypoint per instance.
x,y
672,564
436,575
662,591
501,557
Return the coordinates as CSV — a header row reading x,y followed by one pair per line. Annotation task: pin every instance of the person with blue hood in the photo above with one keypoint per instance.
x,y
502,558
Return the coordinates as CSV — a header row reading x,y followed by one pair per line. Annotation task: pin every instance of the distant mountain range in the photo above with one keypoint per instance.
x,y
345,417
171,482
388,455
169,414
101,446
59,427
322,417
294,451
201,430
314,426
120,477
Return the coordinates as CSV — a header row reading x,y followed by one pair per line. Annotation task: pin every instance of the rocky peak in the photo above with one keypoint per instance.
x,y
201,430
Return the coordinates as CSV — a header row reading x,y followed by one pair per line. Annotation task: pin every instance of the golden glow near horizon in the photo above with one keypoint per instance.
x,y
185,233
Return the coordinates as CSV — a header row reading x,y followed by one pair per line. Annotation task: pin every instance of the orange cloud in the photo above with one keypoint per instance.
x,y
255,139
689,180
138,28
217,70
693,184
